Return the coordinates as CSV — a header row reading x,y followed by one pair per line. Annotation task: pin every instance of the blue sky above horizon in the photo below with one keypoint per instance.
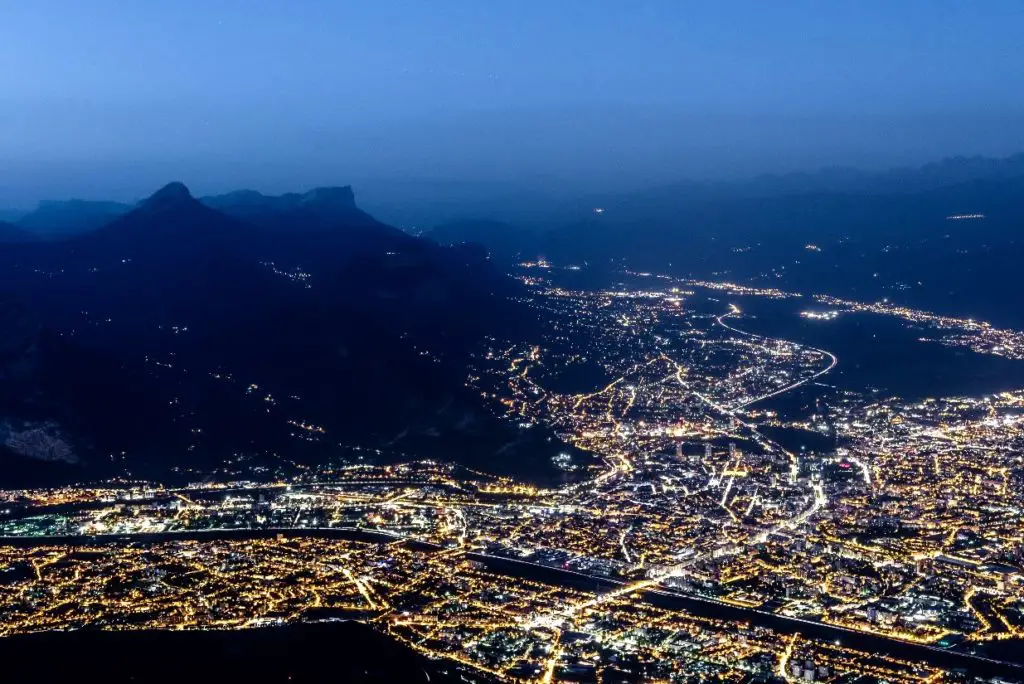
x,y
111,98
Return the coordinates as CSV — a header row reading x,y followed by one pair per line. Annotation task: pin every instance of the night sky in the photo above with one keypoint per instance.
x,y
108,98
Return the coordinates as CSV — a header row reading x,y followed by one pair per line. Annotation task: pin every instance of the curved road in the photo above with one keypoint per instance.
x,y
832,364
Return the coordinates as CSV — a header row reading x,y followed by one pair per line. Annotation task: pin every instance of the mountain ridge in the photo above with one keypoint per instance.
x,y
10,232
328,319
58,219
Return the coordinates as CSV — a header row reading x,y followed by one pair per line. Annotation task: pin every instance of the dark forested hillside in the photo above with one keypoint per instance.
x,y
279,330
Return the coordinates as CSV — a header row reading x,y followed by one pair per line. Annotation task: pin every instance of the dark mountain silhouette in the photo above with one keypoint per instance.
x,y
319,209
169,259
329,203
60,219
327,218
68,412
831,180
874,234
241,330
504,242
12,233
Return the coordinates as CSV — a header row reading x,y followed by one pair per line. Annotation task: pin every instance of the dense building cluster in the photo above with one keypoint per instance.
x,y
707,541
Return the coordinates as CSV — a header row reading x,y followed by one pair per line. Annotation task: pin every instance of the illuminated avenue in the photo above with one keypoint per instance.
x,y
703,540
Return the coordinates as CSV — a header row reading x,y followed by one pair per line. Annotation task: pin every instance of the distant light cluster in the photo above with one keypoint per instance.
x,y
688,490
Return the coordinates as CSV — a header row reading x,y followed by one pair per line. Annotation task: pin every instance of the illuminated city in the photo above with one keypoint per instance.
x,y
448,342
697,540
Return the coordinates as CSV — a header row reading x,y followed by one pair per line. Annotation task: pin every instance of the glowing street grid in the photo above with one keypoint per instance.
x,y
695,546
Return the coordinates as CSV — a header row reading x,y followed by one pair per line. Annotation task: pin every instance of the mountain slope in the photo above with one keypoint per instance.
x,y
243,332
12,233
328,216
870,235
60,219
504,242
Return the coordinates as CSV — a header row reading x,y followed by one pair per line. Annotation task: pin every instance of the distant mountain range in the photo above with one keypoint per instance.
x,y
505,242
58,219
946,172
872,235
12,233
181,335
486,203
270,331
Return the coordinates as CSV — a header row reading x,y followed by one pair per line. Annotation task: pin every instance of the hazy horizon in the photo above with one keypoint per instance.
x,y
555,99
